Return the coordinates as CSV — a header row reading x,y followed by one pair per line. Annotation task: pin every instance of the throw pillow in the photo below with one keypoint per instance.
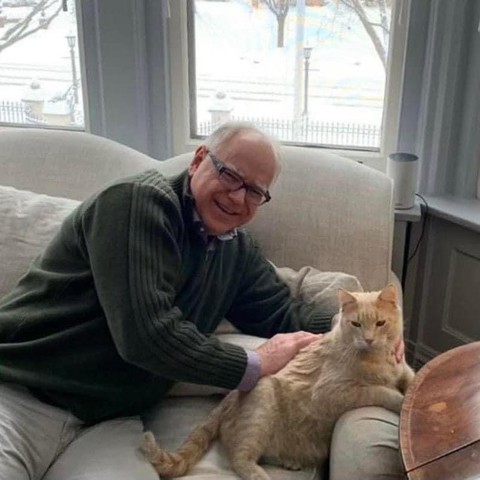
x,y
28,221
312,285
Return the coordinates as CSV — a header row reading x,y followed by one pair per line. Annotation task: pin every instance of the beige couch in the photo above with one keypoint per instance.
x,y
327,212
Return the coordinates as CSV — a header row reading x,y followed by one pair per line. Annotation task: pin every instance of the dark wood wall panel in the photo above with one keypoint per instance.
x,y
446,310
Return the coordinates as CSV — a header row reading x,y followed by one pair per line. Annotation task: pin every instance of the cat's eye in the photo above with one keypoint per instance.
x,y
380,323
356,324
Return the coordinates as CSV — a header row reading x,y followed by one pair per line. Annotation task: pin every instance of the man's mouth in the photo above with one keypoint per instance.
x,y
225,209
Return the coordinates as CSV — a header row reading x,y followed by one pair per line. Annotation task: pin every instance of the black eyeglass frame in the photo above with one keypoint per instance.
x,y
221,168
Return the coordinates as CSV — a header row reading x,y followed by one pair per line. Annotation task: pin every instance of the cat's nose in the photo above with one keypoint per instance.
x,y
369,341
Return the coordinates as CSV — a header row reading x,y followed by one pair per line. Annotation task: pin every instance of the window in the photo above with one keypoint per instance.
x,y
40,79
311,72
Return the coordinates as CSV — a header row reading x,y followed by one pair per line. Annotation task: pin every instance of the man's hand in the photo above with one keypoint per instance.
x,y
399,351
280,349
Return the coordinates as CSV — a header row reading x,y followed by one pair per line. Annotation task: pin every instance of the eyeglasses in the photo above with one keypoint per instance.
x,y
233,181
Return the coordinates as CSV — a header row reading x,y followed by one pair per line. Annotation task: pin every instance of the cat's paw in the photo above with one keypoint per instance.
x,y
396,403
407,379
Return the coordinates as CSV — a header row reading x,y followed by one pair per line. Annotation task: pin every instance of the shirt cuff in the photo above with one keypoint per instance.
x,y
252,372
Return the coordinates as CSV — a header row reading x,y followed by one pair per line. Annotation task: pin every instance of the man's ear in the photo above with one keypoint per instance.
x,y
200,154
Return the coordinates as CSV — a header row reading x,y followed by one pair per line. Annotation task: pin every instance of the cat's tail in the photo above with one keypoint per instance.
x,y
179,462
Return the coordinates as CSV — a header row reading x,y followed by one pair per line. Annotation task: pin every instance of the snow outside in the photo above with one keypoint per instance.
x,y
241,72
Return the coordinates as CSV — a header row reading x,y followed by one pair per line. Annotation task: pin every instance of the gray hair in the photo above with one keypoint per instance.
x,y
225,132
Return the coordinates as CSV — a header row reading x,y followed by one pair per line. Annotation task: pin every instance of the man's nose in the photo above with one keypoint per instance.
x,y
238,195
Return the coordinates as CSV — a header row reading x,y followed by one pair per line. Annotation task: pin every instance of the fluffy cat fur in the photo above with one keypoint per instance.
x,y
288,418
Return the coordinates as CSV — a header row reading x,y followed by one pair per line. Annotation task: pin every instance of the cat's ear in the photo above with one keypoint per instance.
x,y
345,298
389,294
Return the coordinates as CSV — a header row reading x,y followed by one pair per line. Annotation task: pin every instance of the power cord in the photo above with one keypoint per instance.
x,y
424,214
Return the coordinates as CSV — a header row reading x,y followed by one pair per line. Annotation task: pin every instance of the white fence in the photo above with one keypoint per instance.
x,y
311,132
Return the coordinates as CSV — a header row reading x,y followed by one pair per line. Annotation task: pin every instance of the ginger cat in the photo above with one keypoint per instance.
x,y
288,418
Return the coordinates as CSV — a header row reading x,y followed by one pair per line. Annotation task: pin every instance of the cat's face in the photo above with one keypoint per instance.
x,y
370,319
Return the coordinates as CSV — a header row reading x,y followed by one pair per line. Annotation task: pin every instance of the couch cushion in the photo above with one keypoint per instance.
x,y
27,222
331,213
65,163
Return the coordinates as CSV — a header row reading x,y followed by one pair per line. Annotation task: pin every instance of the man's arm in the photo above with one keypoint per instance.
x,y
264,305
130,237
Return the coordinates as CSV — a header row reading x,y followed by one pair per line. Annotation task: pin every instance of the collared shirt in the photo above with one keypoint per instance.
x,y
252,372
202,230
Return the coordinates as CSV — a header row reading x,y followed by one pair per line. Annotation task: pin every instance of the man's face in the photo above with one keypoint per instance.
x,y
221,209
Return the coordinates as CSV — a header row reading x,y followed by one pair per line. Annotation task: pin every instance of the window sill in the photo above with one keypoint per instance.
x,y
413,214
461,211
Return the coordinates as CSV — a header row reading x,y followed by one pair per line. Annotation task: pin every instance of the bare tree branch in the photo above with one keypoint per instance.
x,y
24,29
379,45
278,7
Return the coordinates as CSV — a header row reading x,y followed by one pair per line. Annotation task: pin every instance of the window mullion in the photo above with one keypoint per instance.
x,y
126,72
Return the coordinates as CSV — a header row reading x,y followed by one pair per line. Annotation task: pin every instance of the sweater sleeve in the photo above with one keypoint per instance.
x,y
130,233
264,305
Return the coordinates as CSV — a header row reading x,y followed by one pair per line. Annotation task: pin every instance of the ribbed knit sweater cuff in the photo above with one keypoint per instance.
x,y
321,322
234,365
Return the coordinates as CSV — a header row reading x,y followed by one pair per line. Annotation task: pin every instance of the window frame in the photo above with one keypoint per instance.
x,y
181,89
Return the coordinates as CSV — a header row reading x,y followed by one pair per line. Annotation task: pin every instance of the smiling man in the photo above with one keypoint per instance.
x,y
224,198
123,303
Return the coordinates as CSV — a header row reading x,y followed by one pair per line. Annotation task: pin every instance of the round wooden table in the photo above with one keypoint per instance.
x,y
440,418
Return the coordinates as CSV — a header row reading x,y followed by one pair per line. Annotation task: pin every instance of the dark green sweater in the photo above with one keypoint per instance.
x,y
123,301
